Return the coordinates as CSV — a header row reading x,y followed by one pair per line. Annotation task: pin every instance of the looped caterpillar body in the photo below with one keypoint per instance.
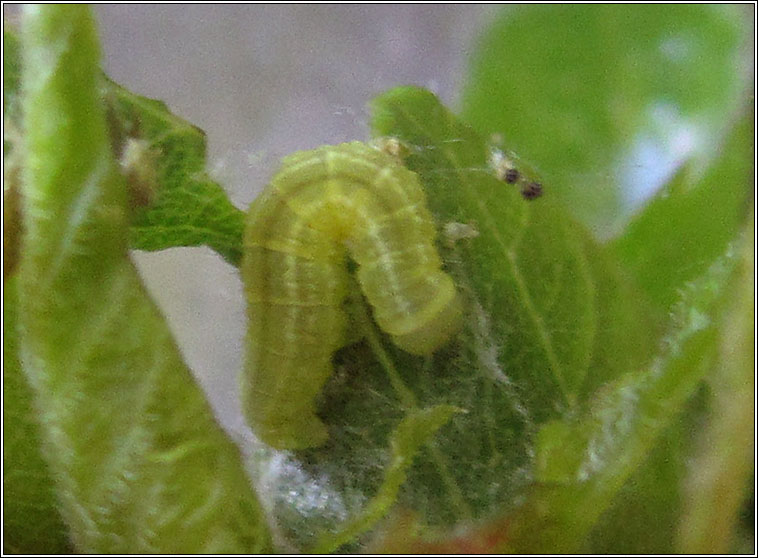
x,y
322,206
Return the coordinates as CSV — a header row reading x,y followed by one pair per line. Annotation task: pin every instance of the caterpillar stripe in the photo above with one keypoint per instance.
x,y
322,206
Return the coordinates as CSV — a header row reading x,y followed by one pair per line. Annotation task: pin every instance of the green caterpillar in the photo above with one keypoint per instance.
x,y
322,205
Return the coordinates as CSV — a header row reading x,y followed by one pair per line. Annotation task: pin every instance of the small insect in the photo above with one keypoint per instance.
x,y
505,169
531,190
322,206
511,175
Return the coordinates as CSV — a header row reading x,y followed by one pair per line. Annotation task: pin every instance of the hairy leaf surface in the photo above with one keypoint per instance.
x,y
139,462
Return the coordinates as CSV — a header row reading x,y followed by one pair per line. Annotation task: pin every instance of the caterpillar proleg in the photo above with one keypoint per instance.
x,y
322,206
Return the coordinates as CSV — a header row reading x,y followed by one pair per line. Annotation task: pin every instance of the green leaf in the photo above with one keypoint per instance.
x,y
589,465
178,205
140,463
549,318
11,76
723,465
583,463
688,225
31,522
643,515
542,284
184,206
414,116
558,305
414,430
609,101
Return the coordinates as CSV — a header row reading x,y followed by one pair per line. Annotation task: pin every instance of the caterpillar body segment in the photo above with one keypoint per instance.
x,y
323,205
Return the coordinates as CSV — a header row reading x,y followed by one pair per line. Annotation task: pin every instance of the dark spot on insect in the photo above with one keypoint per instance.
x,y
531,190
511,175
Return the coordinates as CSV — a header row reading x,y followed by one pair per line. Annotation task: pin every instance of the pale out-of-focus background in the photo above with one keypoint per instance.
x,y
262,81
